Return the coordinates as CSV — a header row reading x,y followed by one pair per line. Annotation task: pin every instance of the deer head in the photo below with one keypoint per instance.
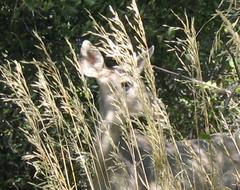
x,y
114,83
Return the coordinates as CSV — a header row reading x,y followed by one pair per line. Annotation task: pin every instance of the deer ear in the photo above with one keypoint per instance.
x,y
91,61
142,58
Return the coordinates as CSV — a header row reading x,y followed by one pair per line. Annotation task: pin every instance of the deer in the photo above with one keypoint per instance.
x,y
134,168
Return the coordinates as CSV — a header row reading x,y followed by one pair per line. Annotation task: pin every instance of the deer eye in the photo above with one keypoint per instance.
x,y
126,85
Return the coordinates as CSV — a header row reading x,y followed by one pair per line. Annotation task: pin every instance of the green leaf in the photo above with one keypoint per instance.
x,y
231,63
90,2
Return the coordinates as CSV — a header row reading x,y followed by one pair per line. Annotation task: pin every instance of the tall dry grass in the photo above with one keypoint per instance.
x,y
62,117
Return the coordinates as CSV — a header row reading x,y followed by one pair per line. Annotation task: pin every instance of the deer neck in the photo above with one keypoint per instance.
x,y
110,131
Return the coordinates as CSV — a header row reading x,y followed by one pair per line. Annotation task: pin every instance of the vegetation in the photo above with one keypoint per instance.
x,y
49,110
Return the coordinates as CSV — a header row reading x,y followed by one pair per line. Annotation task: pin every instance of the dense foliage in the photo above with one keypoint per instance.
x,y
55,20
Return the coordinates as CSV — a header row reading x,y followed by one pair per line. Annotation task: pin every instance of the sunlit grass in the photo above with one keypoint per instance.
x,y
62,117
